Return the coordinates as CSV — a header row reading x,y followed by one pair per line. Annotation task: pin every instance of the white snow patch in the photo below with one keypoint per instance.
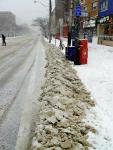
x,y
97,76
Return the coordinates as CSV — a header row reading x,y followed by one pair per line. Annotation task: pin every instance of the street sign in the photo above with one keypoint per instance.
x,y
77,11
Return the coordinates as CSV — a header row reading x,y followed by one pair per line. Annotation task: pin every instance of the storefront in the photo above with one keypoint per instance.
x,y
105,30
105,22
90,29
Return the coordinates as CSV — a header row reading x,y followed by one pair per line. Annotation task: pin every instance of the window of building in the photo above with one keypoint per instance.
x,y
104,5
82,1
106,29
85,8
94,5
112,29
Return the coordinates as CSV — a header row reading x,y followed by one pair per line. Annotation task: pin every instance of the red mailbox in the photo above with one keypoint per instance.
x,y
83,51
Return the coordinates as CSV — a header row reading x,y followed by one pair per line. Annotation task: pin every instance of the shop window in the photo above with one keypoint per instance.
x,y
112,29
85,8
94,32
104,5
82,1
94,5
106,29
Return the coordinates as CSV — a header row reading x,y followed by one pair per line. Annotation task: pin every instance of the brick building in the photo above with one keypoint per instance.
x,y
105,22
89,25
87,19
92,7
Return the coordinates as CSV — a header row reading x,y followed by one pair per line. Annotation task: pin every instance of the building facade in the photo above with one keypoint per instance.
x,y
61,17
89,25
105,22
7,23
89,15
92,8
105,7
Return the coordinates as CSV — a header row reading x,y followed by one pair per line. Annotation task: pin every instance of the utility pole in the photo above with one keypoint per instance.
x,y
70,21
77,30
50,12
77,22
70,14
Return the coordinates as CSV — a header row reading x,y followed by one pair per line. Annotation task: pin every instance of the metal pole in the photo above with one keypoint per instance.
x,y
70,14
77,21
50,12
70,21
77,30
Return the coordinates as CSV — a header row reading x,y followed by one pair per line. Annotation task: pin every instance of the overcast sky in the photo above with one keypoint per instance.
x,y
25,10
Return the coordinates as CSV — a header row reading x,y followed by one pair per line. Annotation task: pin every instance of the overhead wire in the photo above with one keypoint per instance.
x,y
36,1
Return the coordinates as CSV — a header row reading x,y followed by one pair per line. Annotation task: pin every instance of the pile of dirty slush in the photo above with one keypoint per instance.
x,y
63,102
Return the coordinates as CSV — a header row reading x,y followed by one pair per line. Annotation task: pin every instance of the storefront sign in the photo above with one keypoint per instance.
x,y
107,19
103,20
89,24
77,11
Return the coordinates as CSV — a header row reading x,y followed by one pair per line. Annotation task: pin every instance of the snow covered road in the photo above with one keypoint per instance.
x,y
18,62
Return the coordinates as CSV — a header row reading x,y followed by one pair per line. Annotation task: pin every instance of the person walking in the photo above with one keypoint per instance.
x,y
3,40
61,44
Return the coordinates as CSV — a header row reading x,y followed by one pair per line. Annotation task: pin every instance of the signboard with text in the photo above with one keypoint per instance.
x,y
77,11
107,19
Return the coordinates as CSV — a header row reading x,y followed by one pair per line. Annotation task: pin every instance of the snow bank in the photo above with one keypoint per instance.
x,y
63,103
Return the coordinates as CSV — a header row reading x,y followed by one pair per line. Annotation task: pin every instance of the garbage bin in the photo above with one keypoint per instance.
x,y
70,53
83,51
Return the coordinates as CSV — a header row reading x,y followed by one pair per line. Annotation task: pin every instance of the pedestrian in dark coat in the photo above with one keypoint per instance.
x,y
69,39
61,45
3,40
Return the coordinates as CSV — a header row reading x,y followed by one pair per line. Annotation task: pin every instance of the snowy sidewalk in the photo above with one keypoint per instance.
x,y
98,78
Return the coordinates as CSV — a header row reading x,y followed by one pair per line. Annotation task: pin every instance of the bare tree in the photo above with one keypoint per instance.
x,y
43,23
